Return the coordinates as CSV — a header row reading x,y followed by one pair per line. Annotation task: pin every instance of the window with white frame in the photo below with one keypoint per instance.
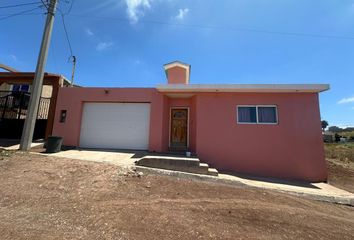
x,y
257,114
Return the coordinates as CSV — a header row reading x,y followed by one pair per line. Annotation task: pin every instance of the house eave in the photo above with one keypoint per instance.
x,y
256,88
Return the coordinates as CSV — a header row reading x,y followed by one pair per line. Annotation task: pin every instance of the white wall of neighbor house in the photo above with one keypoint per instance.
x,y
5,87
47,91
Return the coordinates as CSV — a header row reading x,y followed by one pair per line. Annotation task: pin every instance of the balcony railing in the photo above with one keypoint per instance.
x,y
14,105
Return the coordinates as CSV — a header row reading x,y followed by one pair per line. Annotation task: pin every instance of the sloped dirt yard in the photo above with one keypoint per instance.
x,y
50,198
340,164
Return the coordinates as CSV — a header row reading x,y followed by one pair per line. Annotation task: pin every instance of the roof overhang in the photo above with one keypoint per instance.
x,y
27,78
261,88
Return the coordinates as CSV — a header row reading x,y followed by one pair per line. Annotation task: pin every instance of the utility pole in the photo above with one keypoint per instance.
x,y
73,71
30,121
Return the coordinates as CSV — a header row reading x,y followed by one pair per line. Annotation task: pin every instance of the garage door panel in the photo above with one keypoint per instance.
x,y
115,125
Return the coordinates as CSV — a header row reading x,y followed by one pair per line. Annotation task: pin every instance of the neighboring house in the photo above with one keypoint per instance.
x,y
15,88
24,87
269,130
46,89
5,86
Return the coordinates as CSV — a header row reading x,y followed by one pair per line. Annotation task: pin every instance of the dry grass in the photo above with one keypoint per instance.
x,y
5,153
341,152
347,134
340,163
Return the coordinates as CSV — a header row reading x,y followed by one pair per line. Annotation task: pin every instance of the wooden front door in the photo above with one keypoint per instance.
x,y
179,128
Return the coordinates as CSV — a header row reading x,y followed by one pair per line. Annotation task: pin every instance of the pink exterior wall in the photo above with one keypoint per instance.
x,y
176,75
73,99
293,149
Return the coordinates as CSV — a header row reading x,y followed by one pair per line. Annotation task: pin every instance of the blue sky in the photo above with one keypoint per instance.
x,y
125,43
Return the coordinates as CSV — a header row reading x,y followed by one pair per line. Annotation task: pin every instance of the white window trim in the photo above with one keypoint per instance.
x,y
257,122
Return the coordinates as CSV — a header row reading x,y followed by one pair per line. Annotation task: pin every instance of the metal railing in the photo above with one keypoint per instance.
x,y
14,105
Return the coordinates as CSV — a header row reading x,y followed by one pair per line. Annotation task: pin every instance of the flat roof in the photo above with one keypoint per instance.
x,y
266,88
24,77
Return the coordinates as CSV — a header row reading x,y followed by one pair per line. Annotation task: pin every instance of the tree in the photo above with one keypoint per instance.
x,y
335,129
324,124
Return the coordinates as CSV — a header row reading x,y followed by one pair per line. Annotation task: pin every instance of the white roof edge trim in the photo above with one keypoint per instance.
x,y
243,87
175,64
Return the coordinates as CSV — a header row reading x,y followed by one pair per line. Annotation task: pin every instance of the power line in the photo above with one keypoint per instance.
x,y
65,30
70,7
72,58
45,4
19,5
25,14
66,34
238,29
19,13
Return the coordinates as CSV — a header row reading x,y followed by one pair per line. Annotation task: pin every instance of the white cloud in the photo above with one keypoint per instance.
x,y
135,9
346,100
103,45
182,13
351,7
89,32
342,125
13,57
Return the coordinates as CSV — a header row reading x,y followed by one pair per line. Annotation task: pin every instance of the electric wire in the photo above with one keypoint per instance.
x,y
66,34
18,5
20,13
72,57
70,7
45,4
238,29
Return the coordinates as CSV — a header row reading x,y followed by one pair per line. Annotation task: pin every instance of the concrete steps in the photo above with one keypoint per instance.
x,y
213,172
177,163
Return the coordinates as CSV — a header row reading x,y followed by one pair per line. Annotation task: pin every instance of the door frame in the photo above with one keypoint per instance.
x,y
170,122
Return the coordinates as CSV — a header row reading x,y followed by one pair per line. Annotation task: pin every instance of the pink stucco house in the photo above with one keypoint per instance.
x,y
269,130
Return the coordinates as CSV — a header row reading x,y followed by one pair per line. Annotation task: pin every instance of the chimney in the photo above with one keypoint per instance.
x,y
177,72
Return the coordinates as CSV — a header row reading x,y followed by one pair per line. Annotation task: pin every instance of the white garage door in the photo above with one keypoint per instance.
x,y
115,126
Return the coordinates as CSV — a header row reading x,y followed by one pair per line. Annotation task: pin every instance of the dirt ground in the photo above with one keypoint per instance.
x,y
341,174
340,162
52,198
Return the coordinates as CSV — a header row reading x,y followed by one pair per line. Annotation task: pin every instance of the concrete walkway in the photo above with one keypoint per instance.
x,y
316,191
14,144
120,158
